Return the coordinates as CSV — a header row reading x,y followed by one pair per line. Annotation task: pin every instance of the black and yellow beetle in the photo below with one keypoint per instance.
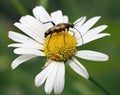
x,y
60,28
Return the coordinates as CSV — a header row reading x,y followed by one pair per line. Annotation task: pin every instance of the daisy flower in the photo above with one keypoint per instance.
x,y
59,46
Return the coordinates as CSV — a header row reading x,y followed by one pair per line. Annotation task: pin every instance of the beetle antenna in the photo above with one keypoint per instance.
x,y
82,17
80,34
47,22
75,24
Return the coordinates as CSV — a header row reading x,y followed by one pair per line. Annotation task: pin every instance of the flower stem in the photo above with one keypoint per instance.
x,y
99,86
20,8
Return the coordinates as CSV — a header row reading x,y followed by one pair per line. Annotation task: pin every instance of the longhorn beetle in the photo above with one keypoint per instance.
x,y
59,28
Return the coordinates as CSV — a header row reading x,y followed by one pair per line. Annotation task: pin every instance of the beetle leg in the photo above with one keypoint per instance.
x,y
49,41
64,38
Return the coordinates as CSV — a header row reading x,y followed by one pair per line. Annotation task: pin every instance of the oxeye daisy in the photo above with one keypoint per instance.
x,y
53,37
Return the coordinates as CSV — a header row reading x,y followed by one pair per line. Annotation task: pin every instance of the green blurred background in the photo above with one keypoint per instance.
x,y
21,80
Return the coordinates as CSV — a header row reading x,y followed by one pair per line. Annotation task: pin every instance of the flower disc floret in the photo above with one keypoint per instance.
x,y
60,46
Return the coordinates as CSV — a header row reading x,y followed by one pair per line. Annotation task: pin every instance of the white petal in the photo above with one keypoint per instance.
x,y
34,24
42,76
80,41
28,51
60,79
18,37
29,32
47,63
31,46
57,17
65,19
78,67
22,39
20,60
91,55
96,30
41,14
86,26
89,38
51,78
79,22
77,25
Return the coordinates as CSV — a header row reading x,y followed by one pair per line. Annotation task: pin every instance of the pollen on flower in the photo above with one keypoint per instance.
x,y
60,46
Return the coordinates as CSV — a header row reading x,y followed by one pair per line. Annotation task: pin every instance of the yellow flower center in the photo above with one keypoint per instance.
x,y
60,46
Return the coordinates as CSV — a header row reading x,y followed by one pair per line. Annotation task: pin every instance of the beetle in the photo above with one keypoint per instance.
x,y
60,28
